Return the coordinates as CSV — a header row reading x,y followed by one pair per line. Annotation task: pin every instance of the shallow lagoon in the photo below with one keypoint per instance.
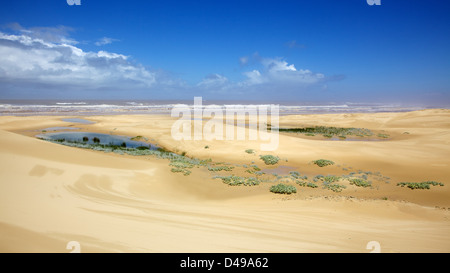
x,y
105,139
78,120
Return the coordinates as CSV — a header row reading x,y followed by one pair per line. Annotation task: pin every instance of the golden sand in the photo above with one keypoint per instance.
x,y
51,194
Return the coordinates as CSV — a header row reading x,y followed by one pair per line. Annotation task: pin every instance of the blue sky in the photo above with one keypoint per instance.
x,y
321,50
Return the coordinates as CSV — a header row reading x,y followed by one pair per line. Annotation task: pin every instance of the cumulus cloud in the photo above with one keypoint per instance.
x,y
278,71
254,77
273,77
266,78
58,34
34,59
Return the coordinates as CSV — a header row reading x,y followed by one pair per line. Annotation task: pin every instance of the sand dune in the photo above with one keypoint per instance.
x,y
51,194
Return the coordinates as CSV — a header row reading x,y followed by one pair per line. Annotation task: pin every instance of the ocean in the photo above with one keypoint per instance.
x,y
111,107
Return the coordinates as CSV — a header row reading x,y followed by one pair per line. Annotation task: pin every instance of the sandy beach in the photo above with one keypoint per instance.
x,y
51,194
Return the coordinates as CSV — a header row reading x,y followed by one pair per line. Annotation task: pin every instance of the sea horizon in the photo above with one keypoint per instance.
x,y
27,107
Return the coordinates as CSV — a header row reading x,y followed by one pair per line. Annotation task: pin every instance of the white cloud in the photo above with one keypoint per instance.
x,y
243,60
44,58
294,44
213,81
274,65
253,77
57,34
271,76
278,71
37,60
105,41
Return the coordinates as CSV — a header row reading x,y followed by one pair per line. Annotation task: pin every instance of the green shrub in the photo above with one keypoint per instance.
x,y
139,138
294,174
334,187
250,151
233,180
270,159
328,182
311,185
220,168
323,162
256,168
359,182
306,184
181,164
331,178
419,185
283,189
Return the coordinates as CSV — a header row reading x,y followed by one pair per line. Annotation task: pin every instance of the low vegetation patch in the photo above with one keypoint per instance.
x,y
139,138
233,180
306,184
383,135
329,182
328,131
250,151
331,178
270,159
420,185
323,162
180,170
220,168
297,175
283,189
334,187
360,182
